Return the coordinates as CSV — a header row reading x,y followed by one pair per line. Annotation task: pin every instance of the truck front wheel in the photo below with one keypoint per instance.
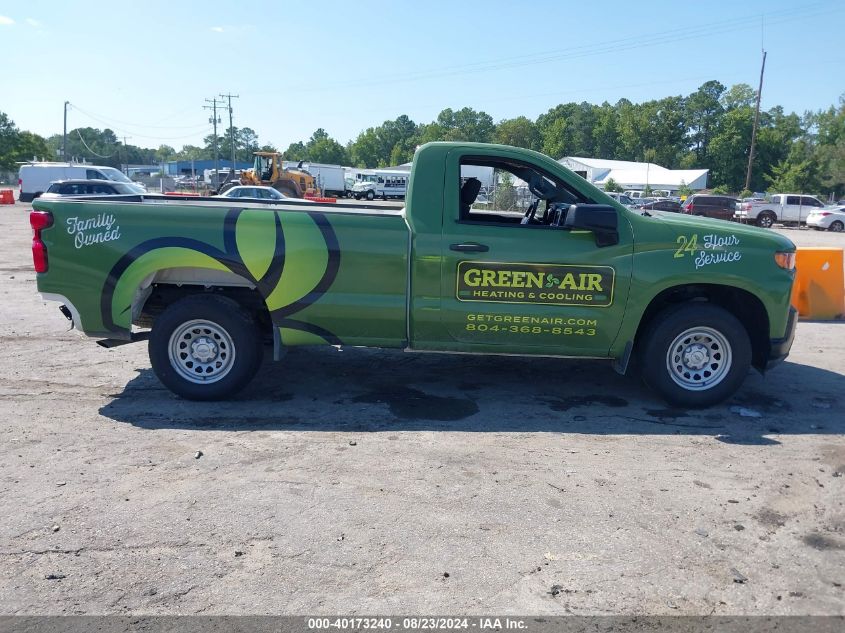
x,y
205,347
371,195
695,355
766,219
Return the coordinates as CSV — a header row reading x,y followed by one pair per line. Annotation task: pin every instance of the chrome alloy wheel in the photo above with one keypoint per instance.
x,y
699,358
201,352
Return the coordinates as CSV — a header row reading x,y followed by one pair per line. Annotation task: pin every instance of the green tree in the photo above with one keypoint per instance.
x,y
164,153
192,152
685,190
606,131
739,96
327,150
797,173
519,132
246,142
728,151
703,110
466,125
366,150
90,144
296,151
504,198
28,146
611,185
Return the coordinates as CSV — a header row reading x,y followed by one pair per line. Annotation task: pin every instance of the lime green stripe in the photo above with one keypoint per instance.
x,y
255,235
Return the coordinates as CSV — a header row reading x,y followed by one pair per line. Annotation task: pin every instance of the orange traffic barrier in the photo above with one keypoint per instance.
x,y
7,196
318,198
819,289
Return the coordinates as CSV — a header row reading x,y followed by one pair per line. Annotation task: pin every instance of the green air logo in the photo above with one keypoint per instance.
x,y
552,284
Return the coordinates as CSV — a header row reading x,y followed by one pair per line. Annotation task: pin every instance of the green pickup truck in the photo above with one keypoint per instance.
x,y
498,250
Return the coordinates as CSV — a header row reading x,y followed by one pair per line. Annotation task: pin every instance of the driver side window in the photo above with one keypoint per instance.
x,y
509,193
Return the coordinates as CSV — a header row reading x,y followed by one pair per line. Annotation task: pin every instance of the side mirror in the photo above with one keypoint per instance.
x,y
601,219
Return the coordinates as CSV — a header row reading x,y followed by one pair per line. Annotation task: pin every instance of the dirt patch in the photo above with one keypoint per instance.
x,y
413,404
565,404
822,542
770,518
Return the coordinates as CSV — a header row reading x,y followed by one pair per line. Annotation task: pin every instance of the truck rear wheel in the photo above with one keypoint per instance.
x,y
695,354
766,219
205,347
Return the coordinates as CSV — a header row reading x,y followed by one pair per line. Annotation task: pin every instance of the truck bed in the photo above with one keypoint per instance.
x,y
107,252
291,204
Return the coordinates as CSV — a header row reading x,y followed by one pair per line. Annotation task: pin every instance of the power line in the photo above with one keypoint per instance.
x,y
104,118
147,136
608,46
88,148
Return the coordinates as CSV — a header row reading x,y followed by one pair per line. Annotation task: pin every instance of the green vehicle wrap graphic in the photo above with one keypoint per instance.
x,y
263,264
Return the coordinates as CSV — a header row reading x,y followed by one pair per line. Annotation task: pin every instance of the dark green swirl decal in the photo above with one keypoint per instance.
x,y
264,267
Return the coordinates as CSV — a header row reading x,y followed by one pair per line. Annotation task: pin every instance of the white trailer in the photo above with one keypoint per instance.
x,y
330,178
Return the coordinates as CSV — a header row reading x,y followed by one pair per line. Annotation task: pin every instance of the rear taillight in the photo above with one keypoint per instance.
x,y
824,214
39,220
688,208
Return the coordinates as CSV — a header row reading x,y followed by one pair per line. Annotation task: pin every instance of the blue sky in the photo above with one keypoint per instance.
x,y
144,69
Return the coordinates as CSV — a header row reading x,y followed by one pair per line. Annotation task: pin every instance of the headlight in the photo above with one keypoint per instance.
x,y
785,260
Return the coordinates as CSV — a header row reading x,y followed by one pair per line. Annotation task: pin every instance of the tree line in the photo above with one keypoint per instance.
x,y
708,129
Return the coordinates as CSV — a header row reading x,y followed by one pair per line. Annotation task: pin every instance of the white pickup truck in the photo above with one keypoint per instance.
x,y
786,208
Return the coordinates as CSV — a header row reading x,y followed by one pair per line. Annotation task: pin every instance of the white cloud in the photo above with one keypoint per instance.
x,y
217,29
6,21
33,23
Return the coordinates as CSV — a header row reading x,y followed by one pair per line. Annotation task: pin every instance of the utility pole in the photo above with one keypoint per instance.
x,y
215,120
754,129
126,156
64,134
231,129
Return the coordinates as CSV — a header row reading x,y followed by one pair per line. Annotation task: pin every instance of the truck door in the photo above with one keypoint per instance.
x,y
808,205
513,283
791,208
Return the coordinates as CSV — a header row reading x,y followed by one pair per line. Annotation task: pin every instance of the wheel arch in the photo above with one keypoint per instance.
x,y
162,287
744,305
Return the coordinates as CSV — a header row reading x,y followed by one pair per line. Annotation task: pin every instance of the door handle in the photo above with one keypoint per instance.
x,y
470,247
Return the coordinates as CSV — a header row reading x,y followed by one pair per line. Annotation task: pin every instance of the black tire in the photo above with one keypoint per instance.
x,y
224,315
371,195
766,219
836,226
666,331
357,196
225,187
286,189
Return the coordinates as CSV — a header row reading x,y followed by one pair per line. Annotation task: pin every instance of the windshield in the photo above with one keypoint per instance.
x,y
113,174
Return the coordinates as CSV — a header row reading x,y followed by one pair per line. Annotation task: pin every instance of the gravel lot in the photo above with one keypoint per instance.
x,y
366,482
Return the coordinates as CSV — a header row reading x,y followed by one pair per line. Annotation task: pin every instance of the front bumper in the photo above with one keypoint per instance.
x,y
779,347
